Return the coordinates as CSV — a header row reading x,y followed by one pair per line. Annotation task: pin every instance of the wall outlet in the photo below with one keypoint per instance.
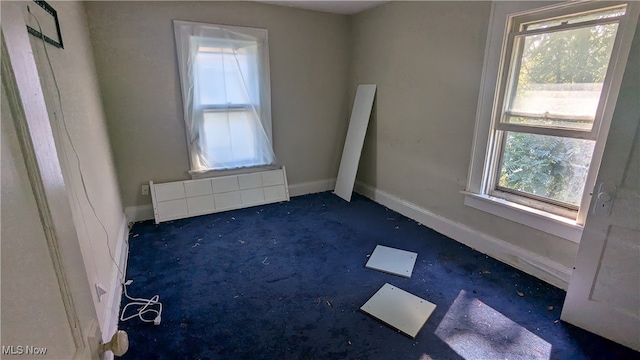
x,y
144,190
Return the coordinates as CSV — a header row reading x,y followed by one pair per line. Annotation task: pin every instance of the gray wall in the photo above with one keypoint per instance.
x,y
426,58
97,211
135,56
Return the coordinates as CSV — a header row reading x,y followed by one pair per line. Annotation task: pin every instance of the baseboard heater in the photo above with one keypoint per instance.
x,y
182,199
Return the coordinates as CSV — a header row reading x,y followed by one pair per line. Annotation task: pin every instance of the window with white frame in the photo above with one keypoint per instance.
x,y
224,73
560,70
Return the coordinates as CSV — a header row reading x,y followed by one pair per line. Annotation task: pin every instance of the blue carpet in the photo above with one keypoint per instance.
x,y
286,281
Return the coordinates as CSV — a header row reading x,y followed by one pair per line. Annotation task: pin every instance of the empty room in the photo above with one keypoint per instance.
x,y
320,180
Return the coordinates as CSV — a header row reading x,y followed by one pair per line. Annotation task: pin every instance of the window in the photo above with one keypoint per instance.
x,y
558,75
224,72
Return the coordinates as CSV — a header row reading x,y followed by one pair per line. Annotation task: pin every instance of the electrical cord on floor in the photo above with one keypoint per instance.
x,y
146,307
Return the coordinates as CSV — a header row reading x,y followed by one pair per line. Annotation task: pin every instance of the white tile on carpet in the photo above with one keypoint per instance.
x,y
399,309
392,261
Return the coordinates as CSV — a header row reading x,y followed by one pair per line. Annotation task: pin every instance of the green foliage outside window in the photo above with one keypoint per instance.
x,y
550,166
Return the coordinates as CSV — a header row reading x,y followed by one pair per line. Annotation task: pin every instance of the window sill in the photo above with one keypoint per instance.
x,y
203,174
534,218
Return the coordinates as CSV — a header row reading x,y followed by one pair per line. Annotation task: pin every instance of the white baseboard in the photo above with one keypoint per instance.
x,y
547,270
311,187
139,213
112,308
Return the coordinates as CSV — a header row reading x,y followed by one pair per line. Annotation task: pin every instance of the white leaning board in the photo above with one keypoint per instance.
x,y
182,199
358,123
392,261
399,309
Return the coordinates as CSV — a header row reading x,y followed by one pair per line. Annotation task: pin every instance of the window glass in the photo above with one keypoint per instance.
x,y
546,166
220,75
231,137
560,77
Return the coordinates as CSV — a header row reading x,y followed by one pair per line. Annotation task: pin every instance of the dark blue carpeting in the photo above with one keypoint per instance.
x,y
286,281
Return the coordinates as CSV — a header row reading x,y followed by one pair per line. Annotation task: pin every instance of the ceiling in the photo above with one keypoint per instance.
x,y
330,6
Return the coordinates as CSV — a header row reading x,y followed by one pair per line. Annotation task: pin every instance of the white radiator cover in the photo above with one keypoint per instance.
x,y
182,199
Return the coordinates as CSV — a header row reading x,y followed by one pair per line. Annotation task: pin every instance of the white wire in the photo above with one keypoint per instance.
x,y
75,152
146,308
145,303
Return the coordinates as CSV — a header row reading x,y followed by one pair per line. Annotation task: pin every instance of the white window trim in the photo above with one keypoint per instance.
x,y
203,174
476,193
553,224
265,103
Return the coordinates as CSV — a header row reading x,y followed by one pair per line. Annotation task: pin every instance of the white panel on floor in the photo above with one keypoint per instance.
x,y
273,177
169,191
230,200
200,204
206,196
358,123
225,184
252,196
172,209
198,187
399,309
250,181
274,193
392,261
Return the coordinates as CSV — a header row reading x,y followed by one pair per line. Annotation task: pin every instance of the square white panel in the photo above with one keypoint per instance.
x,y
252,196
169,191
200,205
399,309
225,184
172,209
250,181
273,177
275,193
198,187
229,200
392,261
